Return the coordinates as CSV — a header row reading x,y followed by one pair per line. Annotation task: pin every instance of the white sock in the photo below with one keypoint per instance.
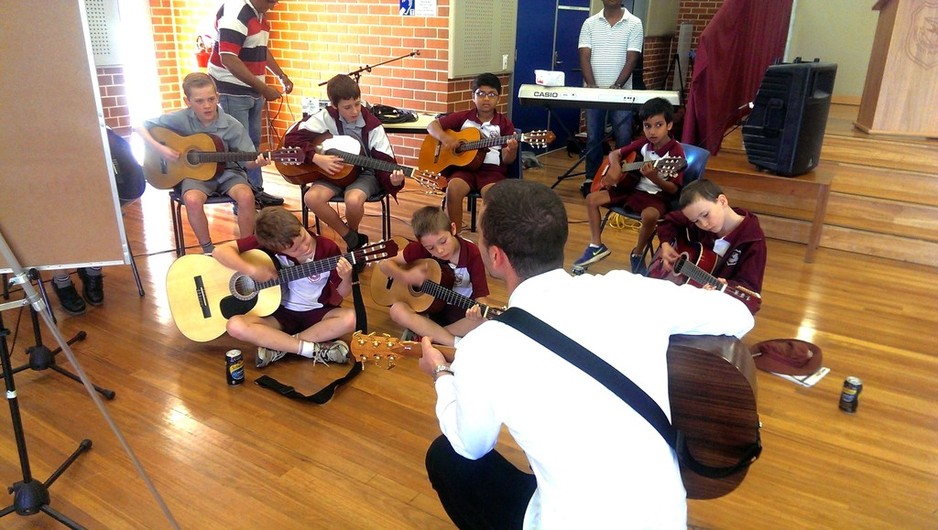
x,y
307,348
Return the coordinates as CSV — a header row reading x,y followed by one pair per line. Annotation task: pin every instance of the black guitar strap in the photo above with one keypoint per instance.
x,y
328,391
321,397
622,386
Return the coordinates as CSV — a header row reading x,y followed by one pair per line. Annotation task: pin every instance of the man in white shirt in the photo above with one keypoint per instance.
x,y
597,463
610,45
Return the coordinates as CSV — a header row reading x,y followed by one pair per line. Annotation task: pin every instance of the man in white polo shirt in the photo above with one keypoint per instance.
x,y
610,45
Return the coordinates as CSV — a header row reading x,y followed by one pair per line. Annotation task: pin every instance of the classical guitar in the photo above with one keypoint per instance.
x,y
349,150
431,297
667,166
472,148
203,294
699,277
711,388
202,156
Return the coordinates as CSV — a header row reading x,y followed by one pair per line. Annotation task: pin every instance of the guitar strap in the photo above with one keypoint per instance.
x,y
619,384
321,397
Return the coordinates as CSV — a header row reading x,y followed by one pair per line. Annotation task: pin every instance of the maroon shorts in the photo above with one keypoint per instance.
x,y
480,178
292,322
449,314
636,201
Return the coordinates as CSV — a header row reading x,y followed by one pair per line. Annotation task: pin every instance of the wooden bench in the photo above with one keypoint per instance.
x,y
735,172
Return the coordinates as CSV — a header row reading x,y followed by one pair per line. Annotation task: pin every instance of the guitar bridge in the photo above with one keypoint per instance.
x,y
203,299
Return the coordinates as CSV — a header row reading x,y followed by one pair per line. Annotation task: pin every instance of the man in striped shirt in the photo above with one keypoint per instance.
x,y
239,63
610,45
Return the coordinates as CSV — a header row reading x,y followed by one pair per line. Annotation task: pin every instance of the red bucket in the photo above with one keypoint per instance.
x,y
201,57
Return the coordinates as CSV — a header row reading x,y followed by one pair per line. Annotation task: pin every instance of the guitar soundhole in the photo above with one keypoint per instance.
x,y
243,287
193,158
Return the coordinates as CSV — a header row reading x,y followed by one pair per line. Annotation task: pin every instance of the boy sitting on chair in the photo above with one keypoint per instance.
x,y
309,318
437,239
203,115
649,195
486,89
346,117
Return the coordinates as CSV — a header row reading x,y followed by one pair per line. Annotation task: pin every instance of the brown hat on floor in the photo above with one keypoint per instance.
x,y
787,356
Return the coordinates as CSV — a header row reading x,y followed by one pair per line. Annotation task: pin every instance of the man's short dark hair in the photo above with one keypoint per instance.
x,y
487,80
656,106
528,222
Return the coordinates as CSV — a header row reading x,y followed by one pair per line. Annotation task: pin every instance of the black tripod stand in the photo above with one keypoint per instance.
x,y
40,356
29,495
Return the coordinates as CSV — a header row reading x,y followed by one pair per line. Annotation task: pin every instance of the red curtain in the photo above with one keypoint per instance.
x,y
743,39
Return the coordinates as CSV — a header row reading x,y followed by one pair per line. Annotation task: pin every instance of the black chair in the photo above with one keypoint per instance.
x,y
696,165
175,208
383,197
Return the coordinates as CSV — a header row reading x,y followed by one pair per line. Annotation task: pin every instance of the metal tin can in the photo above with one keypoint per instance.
x,y
850,395
234,367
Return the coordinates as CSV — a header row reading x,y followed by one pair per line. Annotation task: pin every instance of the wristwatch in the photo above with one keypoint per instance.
x,y
441,369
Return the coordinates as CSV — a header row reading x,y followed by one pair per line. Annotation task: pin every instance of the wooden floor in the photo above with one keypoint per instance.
x,y
245,457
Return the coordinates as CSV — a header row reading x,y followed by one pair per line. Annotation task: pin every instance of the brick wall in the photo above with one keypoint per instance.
x,y
314,40
114,99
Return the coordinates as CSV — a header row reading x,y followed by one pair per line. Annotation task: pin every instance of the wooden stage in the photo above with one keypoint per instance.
x,y
246,457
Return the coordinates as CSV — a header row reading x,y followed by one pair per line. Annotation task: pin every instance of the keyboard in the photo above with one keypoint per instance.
x,y
583,97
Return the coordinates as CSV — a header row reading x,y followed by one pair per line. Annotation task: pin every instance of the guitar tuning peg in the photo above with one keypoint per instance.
x,y
363,359
390,361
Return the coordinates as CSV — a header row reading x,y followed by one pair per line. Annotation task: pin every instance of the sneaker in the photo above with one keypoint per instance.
x,y
264,199
92,287
334,351
68,297
266,356
592,255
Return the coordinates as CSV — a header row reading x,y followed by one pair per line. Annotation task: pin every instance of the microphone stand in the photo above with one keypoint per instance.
x,y
356,75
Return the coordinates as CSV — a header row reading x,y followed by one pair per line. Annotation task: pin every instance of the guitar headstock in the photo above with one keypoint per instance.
x,y
291,156
368,345
375,252
538,138
428,179
669,166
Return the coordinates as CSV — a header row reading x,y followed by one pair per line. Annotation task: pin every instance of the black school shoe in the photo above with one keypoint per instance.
x,y
262,199
92,287
68,297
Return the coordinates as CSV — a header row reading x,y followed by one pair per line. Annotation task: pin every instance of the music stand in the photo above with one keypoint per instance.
x,y
29,495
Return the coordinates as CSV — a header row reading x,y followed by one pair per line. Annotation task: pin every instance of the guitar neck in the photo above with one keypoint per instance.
x,y
303,270
371,163
485,143
226,156
702,277
452,297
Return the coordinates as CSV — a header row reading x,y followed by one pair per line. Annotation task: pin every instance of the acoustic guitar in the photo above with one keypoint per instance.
x,y
203,294
695,265
711,387
349,150
667,167
202,156
431,297
472,148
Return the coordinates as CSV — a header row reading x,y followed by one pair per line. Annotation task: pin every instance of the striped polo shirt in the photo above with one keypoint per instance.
x,y
241,32
610,45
